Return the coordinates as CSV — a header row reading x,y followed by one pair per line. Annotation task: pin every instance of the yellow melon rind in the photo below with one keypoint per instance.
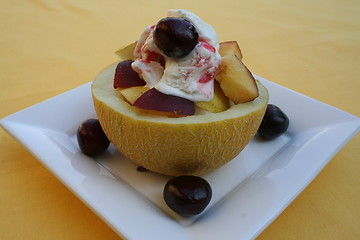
x,y
192,145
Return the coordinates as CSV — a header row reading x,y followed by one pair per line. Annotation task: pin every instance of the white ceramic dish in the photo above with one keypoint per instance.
x,y
248,194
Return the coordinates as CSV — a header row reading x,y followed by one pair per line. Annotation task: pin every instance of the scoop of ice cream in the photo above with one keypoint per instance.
x,y
190,77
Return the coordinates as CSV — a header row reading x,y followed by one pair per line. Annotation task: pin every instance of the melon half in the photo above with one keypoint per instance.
x,y
192,145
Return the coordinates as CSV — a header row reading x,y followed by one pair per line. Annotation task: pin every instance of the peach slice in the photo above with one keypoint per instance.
x,y
230,48
236,80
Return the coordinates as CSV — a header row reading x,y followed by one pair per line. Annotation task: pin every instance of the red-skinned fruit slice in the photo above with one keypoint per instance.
x,y
156,102
126,77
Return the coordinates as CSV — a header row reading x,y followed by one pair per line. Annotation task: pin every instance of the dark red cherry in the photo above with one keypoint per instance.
x,y
274,123
175,37
187,195
91,138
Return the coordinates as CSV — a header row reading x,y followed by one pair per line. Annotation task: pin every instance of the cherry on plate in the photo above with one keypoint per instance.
x,y
91,138
274,123
187,195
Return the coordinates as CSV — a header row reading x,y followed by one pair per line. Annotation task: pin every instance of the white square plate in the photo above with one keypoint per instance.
x,y
248,193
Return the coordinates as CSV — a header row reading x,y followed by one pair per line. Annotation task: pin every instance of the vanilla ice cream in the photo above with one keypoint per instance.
x,y
190,77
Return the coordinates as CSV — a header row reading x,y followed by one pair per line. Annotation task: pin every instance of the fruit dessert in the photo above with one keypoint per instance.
x,y
178,102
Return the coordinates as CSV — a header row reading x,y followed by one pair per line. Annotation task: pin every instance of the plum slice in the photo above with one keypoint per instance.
x,y
126,77
153,101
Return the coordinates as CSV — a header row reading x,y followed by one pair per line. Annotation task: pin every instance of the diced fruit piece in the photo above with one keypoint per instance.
x,y
126,77
236,80
126,53
187,195
230,48
133,93
274,123
218,103
159,103
175,37
91,138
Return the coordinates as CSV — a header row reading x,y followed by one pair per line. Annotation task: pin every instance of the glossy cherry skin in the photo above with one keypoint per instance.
x,y
187,195
175,37
274,123
91,138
